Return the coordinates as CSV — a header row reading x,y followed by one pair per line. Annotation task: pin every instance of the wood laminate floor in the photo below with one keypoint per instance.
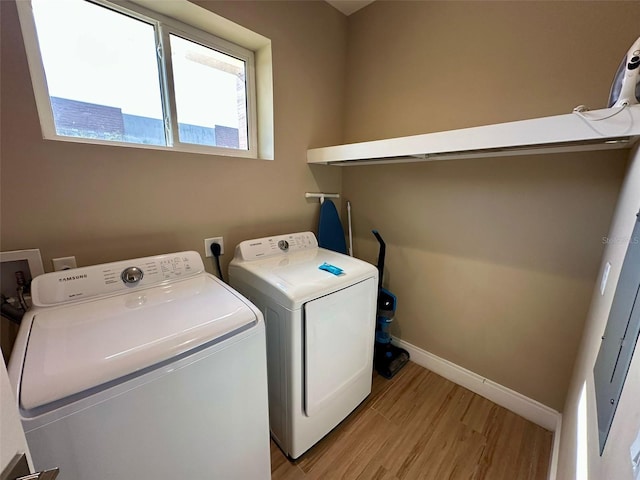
x,y
421,426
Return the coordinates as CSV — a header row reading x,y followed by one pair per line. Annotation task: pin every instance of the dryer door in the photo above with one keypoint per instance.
x,y
339,338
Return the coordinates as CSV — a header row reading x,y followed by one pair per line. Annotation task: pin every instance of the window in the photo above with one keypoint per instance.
x,y
129,76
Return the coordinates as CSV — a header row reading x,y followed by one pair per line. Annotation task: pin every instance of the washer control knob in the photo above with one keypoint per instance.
x,y
131,275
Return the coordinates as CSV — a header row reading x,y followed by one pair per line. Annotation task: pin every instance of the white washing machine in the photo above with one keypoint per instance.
x,y
320,332
148,368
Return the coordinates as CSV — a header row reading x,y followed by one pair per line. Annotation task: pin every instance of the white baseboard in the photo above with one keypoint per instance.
x,y
526,407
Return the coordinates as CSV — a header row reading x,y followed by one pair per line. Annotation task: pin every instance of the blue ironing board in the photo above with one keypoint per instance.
x,y
330,232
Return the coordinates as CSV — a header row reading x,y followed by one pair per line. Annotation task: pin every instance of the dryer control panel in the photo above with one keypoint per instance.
x,y
110,278
279,245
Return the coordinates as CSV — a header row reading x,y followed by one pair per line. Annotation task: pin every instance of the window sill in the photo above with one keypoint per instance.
x,y
183,148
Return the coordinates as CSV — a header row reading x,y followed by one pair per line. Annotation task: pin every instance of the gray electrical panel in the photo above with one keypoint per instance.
x,y
619,339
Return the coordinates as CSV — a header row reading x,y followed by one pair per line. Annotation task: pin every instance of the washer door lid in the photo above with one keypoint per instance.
x,y
75,348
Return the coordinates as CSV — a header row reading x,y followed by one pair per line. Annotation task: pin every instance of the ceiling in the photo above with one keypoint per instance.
x,y
349,6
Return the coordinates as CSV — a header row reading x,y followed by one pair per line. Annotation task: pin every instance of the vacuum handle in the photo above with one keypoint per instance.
x,y
381,255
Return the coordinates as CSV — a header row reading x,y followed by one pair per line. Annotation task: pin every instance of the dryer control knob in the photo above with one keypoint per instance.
x,y
132,275
283,245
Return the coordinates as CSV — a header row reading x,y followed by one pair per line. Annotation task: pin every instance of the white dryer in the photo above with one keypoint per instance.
x,y
145,368
320,332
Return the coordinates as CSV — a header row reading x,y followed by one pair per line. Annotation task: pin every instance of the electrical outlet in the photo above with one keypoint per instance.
x,y
64,263
209,241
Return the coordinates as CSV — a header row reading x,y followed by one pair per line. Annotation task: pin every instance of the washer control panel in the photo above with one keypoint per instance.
x,y
111,278
280,245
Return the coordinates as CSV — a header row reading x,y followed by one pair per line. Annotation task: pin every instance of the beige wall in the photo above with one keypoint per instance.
x,y
615,462
422,66
107,203
493,260
104,203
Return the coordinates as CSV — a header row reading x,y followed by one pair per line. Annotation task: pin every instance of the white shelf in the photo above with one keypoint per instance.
x,y
561,133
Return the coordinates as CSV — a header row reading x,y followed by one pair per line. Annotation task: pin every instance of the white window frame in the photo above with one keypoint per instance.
x,y
164,26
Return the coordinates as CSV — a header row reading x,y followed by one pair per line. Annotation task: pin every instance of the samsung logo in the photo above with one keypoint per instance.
x,y
72,277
